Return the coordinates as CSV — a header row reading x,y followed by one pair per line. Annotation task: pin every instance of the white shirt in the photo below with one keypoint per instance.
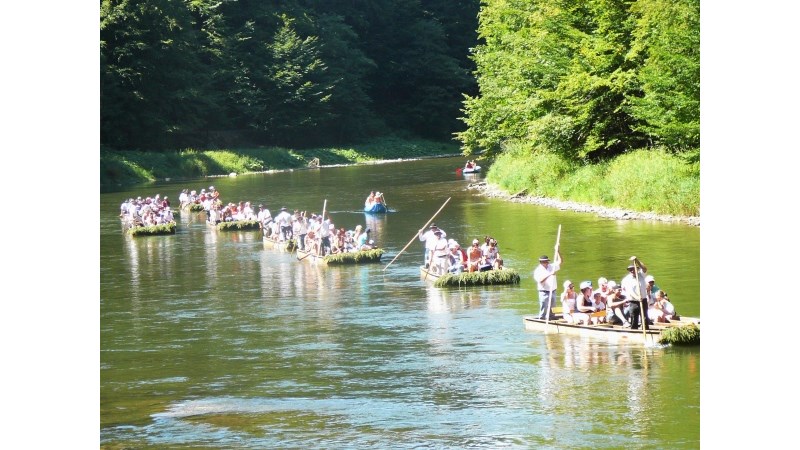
x,y
439,247
264,216
284,219
633,290
541,272
325,228
430,238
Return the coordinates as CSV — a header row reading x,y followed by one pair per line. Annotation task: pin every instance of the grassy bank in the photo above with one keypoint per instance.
x,y
642,180
128,167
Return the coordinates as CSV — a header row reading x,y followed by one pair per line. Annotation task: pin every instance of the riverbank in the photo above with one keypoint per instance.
x,y
131,167
494,191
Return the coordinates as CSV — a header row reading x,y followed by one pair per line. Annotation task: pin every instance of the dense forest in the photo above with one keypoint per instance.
x,y
204,73
586,80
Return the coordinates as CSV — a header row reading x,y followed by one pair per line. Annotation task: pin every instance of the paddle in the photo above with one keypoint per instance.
x,y
641,297
415,235
459,170
322,221
550,297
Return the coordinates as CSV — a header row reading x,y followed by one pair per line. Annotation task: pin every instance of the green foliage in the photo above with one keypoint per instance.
x,y
667,50
644,180
488,277
152,75
585,80
536,174
360,257
203,73
683,335
196,207
654,181
238,225
153,230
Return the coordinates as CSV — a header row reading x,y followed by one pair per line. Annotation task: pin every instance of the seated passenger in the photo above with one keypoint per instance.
x,y
599,303
568,306
602,286
584,303
615,307
490,252
474,257
369,245
456,264
311,244
663,310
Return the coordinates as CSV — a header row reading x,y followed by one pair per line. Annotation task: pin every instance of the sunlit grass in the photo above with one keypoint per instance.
x,y
488,277
642,180
137,166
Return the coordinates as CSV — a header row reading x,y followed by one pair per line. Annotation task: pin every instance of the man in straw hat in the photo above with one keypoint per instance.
x,y
545,276
430,238
635,288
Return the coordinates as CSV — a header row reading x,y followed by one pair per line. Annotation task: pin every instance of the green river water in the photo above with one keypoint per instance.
x,y
213,340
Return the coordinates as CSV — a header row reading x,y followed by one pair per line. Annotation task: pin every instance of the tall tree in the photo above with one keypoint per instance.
x,y
667,49
152,81
290,90
567,77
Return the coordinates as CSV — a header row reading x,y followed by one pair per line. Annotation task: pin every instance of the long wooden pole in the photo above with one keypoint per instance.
x,y
415,236
549,297
322,222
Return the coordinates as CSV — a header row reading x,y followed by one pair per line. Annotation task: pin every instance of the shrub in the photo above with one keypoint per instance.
x,y
489,277
685,335
360,257
237,225
153,230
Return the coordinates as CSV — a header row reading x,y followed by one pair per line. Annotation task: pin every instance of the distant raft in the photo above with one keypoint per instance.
x,y
236,225
152,230
344,258
487,277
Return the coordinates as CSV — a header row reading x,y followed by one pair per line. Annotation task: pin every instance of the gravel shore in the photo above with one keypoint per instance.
x,y
611,213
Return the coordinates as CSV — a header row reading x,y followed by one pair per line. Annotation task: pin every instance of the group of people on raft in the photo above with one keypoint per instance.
x,y
187,197
313,233
216,210
443,256
618,304
149,211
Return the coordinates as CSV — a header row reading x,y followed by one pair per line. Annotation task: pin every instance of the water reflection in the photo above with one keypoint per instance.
x,y
377,223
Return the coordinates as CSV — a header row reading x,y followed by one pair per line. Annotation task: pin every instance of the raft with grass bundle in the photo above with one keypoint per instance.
x,y
236,225
192,207
483,278
683,331
344,258
152,230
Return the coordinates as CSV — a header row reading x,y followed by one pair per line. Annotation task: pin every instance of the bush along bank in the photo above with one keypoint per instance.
x,y
644,184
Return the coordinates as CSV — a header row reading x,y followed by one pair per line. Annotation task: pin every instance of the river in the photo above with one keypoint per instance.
x,y
212,339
